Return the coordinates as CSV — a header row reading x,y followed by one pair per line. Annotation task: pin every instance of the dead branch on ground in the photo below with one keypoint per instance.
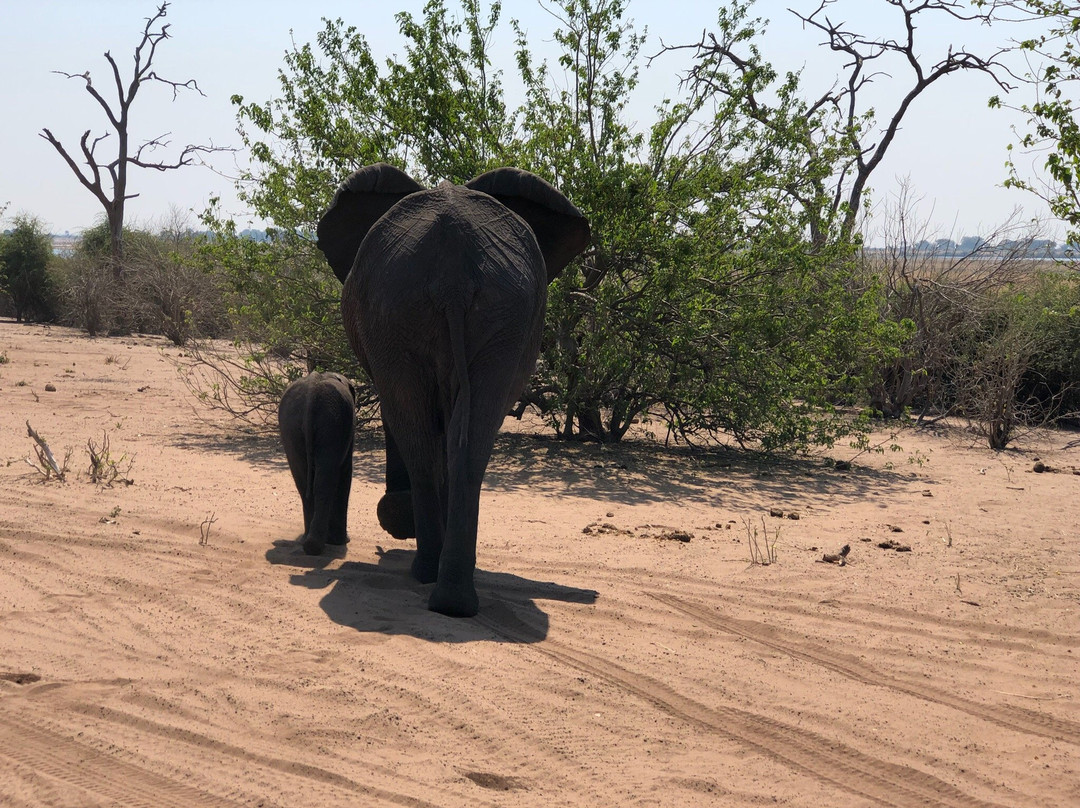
x,y
46,464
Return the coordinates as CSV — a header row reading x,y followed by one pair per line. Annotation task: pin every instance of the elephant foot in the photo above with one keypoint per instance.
x,y
338,540
314,546
425,570
454,601
395,512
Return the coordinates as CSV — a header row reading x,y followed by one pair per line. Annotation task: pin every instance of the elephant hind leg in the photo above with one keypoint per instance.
x,y
420,441
296,453
395,509
324,492
430,528
455,593
339,517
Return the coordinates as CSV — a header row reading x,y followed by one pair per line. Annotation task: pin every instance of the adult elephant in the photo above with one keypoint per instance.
x,y
443,303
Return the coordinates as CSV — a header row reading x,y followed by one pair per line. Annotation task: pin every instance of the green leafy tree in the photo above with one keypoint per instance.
x,y
718,292
25,254
437,112
578,139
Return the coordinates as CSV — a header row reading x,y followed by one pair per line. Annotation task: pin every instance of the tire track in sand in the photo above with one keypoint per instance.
x,y
1014,718
925,625
68,761
821,758
242,757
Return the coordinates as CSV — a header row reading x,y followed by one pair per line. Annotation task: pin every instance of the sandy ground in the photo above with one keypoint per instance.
x,y
143,664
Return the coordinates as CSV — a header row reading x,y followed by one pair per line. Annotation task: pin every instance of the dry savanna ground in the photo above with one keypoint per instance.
x,y
627,652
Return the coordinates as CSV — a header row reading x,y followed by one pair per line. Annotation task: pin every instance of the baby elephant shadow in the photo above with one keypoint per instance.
x,y
384,598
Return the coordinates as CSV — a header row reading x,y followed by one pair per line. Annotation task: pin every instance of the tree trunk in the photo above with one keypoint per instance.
x,y
116,235
591,426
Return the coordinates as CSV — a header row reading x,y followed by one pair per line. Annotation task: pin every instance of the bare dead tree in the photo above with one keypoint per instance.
x,y
864,51
869,58
107,179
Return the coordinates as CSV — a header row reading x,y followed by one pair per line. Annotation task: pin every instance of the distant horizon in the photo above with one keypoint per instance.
x,y
965,245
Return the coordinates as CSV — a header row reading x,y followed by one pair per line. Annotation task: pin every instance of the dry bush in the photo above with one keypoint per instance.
x,y
166,287
1020,365
246,381
996,334
944,293
106,469
759,557
89,295
169,290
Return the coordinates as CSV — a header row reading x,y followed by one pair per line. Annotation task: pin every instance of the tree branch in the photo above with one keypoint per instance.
x,y
93,92
94,186
190,84
721,69
186,158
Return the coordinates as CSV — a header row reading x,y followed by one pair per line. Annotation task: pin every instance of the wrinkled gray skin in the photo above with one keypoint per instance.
x,y
443,303
316,418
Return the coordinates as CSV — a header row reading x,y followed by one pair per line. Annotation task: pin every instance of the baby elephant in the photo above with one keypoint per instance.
x,y
316,418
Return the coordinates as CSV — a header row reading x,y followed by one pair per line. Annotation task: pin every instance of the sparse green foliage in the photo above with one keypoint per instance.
x,y
105,469
246,381
1054,56
280,294
719,294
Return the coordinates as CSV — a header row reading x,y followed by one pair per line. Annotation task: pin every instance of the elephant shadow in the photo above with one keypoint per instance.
x,y
384,598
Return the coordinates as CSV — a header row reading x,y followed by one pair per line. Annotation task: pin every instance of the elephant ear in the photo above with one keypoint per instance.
x,y
560,228
360,202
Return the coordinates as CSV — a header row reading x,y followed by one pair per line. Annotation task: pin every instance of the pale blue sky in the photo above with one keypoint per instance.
x,y
952,148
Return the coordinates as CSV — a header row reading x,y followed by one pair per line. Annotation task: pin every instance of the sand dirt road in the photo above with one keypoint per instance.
x,y
622,666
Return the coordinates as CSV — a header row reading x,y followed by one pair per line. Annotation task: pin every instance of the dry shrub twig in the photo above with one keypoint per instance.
x,y
758,556
204,530
104,468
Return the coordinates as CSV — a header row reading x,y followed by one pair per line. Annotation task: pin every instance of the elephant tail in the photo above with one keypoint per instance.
x,y
459,417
